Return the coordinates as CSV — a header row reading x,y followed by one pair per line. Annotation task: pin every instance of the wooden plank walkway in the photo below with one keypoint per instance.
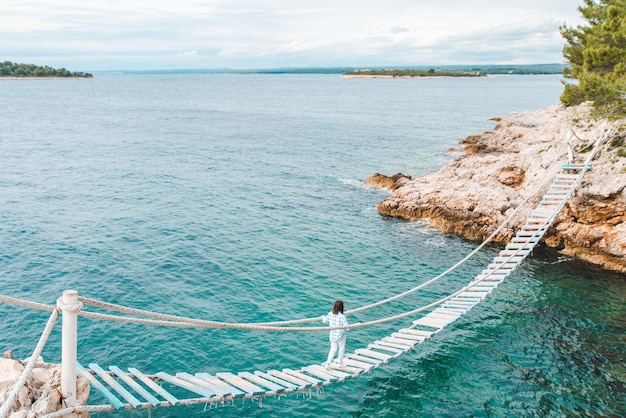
x,y
136,390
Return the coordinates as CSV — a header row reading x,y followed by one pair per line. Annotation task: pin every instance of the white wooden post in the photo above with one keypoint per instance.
x,y
68,348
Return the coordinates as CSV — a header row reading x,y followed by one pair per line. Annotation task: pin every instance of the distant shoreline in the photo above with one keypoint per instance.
x,y
411,73
41,78
403,76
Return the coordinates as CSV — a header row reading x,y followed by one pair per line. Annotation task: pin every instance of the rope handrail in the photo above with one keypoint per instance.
x,y
26,303
120,308
255,327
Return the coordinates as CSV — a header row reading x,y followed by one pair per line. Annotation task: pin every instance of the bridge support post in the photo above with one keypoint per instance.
x,y
70,306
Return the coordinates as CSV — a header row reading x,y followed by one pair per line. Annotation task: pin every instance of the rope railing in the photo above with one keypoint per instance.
x,y
272,325
26,303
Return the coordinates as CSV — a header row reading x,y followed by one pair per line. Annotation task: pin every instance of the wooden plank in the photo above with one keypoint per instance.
x,y
574,166
468,294
401,341
290,378
472,301
445,319
383,346
365,367
102,374
412,339
454,306
496,275
320,372
115,402
501,268
150,398
464,301
417,332
177,381
289,385
219,386
152,385
459,305
519,246
516,252
427,322
487,284
538,228
445,313
488,290
447,308
496,266
344,373
364,359
260,381
195,380
373,354
469,297
513,259
302,376
242,384
393,345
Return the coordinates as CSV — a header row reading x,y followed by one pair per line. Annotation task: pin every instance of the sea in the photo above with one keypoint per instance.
x,y
240,198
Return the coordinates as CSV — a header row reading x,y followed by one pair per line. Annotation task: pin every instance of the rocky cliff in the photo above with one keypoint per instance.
x,y
497,170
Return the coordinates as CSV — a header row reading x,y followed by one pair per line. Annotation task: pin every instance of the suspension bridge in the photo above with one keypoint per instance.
x,y
134,389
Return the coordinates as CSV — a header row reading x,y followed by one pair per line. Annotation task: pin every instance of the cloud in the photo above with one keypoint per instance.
x,y
256,33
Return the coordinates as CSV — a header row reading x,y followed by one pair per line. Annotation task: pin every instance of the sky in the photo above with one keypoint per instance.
x,y
103,35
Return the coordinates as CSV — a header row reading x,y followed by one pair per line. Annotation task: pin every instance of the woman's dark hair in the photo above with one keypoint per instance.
x,y
337,307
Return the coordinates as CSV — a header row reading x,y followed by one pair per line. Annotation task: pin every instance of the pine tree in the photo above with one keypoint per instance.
x,y
597,56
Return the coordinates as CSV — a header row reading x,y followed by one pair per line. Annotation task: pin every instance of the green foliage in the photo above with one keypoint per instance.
x,y
13,69
597,56
616,141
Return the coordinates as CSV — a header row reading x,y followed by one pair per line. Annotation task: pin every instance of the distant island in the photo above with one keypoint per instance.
x,y
10,69
402,73
485,69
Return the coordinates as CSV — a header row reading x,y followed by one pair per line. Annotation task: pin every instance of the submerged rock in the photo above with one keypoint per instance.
x,y
472,195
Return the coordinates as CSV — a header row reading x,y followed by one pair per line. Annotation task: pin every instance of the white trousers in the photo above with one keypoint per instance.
x,y
334,347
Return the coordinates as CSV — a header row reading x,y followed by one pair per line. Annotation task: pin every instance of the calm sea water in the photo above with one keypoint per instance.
x,y
240,198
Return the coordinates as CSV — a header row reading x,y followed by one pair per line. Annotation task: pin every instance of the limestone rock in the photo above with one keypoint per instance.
x,y
475,192
387,182
41,394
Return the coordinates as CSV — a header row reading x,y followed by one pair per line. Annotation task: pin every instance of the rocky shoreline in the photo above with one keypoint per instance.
x,y
497,170
41,395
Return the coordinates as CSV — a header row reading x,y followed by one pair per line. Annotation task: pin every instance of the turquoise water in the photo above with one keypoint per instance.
x,y
240,198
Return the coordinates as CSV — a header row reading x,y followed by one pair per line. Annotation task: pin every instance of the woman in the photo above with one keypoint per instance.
x,y
337,337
